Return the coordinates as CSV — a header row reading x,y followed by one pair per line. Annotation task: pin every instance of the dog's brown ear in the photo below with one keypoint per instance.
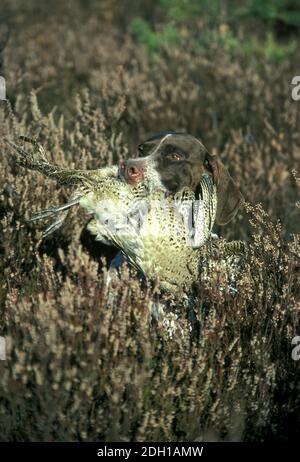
x,y
228,194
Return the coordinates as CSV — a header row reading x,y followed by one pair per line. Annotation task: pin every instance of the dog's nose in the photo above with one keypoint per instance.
x,y
132,171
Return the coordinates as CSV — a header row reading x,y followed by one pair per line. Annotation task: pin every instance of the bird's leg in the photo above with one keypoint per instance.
x,y
54,210
60,212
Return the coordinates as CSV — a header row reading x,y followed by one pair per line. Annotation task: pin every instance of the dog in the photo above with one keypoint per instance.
x,y
170,161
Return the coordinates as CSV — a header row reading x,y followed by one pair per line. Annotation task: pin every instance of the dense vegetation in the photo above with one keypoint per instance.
x,y
89,80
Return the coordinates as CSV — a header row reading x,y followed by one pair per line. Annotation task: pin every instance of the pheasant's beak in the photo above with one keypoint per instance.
x,y
132,171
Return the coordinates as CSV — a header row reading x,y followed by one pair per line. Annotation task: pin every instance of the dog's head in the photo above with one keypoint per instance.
x,y
172,161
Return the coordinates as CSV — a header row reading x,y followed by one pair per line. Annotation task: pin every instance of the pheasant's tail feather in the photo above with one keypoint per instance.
x,y
29,160
38,161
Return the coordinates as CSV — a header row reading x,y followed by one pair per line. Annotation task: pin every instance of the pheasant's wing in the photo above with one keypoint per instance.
x,y
198,214
110,203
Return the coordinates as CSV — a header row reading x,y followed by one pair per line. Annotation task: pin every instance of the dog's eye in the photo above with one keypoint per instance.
x,y
173,156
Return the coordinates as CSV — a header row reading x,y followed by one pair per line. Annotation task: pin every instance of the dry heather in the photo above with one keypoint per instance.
x,y
82,366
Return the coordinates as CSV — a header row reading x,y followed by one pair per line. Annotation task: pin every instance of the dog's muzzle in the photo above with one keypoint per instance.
x,y
132,171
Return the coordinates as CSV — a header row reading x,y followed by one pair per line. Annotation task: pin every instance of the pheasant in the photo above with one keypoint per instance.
x,y
166,237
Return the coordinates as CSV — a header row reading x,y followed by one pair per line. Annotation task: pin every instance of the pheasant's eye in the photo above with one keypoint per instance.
x,y
174,156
